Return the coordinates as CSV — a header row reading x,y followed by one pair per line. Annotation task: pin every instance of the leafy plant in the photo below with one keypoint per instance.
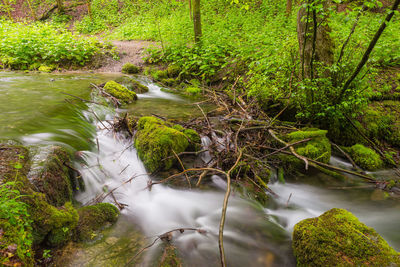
x,y
25,44
15,222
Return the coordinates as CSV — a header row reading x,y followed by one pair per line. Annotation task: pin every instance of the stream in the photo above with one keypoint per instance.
x,y
34,110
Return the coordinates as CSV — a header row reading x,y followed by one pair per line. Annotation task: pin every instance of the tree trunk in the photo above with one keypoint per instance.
x,y
7,6
315,44
60,6
89,8
32,9
289,4
196,20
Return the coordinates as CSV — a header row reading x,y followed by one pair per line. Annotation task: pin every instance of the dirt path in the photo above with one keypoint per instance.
x,y
130,52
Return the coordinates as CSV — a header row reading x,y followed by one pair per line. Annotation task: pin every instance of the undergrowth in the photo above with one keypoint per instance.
x,y
28,46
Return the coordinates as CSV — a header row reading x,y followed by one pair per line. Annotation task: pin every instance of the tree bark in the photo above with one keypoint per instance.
x,y
371,46
315,44
7,6
197,20
289,4
60,6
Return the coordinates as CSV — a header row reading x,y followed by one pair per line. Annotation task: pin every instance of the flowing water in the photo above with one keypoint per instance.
x,y
35,111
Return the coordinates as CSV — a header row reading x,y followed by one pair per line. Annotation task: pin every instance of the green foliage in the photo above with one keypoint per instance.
x,y
15,225
42,43
338,238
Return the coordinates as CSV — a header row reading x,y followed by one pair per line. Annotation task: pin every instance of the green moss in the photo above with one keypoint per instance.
x,y
381,121
338,238
63,222
194,139
120,92
318,148
193,90
51,176
365,157
173,71
44,68
158,75
130,68
47,220
93,218
169,257
156,143
132,84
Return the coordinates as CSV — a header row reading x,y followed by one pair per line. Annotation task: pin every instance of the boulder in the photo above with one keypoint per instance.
x,y
338,238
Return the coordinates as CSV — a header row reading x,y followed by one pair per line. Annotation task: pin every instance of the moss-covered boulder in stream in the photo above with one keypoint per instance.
x,y
50,175
130,68
51,225
93,218
338,238
120,92
365,157
132,84
156,142
318,148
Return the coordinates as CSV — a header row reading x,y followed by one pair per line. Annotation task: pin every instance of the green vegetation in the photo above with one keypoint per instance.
x,y
365,157
120,92
93,218
43,46
130,68
338,238
15,227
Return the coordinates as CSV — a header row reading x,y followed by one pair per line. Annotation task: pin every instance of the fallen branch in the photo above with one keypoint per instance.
x,y
224,207
167,237
272,133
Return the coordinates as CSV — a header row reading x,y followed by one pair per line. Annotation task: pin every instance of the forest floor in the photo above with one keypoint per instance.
x,y
129,52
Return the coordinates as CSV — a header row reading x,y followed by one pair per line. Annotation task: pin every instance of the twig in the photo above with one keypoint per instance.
x,y
287,202
271,132
224,207
285,147
183,168
167,236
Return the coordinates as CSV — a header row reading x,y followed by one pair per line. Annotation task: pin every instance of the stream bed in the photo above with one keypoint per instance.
x,y
36,109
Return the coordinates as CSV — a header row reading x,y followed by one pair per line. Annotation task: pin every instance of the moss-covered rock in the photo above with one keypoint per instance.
x,y
193,90
49,224
365,157
318,148
47,69
120,92
156,141
93,218
50,175
338,238
130,68
158,75
194,139
132,84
